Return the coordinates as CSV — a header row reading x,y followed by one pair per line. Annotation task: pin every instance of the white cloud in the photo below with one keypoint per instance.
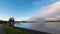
x,y
49,11
47,19
53,9
54,18
57,16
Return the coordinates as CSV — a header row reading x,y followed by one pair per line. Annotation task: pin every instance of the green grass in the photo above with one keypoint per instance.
x,y
10,30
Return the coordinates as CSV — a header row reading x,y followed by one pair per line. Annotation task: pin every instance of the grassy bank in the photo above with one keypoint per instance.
x,y
10,30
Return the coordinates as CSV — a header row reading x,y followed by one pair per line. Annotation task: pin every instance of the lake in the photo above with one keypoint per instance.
x,y
50,27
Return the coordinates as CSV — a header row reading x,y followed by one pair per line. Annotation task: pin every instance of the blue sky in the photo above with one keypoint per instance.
x,y
22,9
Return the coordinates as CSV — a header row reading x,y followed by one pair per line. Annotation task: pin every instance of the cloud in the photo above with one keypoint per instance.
x,y
53,9
48,19
57,16
53,18
48,11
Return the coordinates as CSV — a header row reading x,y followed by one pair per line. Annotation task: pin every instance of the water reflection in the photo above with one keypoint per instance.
x,y
22,25
51,27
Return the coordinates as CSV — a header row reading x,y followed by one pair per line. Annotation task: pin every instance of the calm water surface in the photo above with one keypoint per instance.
x,y
22,25
51,27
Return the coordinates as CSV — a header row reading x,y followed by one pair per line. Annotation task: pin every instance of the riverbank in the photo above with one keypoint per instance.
x,y
16,30
10,30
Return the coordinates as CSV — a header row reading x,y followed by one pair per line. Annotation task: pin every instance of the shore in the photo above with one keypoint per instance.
x,y
16,30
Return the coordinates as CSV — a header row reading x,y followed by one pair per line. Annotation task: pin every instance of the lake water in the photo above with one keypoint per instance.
x,y
50,27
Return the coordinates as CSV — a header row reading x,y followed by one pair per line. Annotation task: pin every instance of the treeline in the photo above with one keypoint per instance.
x,y
1,21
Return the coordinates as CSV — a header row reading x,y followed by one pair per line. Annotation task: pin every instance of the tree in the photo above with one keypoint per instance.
x,y
11,21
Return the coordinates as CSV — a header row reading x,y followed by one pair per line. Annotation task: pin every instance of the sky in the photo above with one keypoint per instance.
x,y
49,12
23,9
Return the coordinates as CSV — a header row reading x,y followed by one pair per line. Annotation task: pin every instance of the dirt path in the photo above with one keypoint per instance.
x,y
1,29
